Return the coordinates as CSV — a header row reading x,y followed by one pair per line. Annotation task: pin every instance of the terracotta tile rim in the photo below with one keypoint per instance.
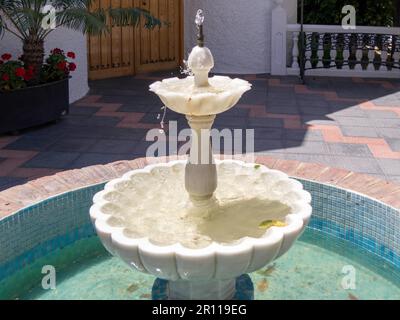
x,y
36,191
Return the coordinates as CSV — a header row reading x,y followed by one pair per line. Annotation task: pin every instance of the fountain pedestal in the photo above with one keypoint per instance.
x,y
201,290
201,171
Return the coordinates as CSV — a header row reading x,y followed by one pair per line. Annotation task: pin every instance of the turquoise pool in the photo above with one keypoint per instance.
x,y
313,269
347,232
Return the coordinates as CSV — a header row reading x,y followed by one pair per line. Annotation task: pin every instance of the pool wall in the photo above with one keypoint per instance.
x,y
57,222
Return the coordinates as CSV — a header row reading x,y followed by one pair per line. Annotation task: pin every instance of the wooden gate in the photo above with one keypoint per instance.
x,y
128,50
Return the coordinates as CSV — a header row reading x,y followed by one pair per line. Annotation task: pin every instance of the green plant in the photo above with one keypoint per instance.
x,y
368,12
24,19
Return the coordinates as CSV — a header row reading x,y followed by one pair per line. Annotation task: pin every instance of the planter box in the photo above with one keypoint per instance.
x,y
33,106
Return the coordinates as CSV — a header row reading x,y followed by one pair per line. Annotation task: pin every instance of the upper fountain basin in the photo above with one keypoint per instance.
x,y
182,96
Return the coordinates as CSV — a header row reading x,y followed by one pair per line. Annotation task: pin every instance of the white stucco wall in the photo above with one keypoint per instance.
x,y
67,40
236,31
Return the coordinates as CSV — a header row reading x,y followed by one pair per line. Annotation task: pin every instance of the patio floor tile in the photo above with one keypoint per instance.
x,y
389,166
381,114
394,144
309,147
389,133
327,121
113,146
353,121
387,123
360,164
9,182
302,135
72,145
52,159
348,112
87,111
32,143
348,149
269,145
268,133
282,109
317,110
91,159
261,123
313,158
237,122
352,131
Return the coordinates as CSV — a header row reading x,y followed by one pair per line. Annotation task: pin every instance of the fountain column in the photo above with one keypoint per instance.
x,y
201,171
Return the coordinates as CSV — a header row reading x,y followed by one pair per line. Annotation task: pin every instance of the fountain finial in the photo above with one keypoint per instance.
x,y
199,22
200,60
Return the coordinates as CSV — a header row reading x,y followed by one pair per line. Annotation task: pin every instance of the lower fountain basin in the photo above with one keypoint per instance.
x,y
206,268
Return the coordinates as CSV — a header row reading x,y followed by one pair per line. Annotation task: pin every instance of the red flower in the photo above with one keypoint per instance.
x,y
28,73
56,51
20,72
6,56
71,55
72,66
5,77
62,65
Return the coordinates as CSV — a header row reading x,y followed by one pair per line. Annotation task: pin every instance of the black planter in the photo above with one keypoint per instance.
x,y
33,106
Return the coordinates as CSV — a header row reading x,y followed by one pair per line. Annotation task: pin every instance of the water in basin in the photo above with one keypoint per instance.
x,y
143,207
225,223
312,269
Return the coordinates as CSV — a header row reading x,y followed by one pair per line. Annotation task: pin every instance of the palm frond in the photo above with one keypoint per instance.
x,y
25,17
132,17
72,4
82,20
13,20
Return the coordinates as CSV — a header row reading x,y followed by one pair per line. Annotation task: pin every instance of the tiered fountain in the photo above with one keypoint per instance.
x,y
174,221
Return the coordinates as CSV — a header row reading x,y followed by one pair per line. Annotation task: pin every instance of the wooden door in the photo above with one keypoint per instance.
x,y
128,50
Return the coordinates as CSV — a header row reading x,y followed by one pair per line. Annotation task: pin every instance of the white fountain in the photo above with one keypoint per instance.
x,y
174,221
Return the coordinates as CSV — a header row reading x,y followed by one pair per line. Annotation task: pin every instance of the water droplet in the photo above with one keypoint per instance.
x,y
163,117
185,70
199,18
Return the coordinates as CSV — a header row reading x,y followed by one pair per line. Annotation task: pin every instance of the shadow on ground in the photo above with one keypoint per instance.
x,y
111,124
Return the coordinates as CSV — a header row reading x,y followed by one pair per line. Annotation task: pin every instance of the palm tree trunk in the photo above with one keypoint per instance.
x,y
33,54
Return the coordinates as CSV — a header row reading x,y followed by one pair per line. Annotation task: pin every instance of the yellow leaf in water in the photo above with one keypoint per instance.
x,y
352,297
132,288
262,285
257,166
267,272
271,223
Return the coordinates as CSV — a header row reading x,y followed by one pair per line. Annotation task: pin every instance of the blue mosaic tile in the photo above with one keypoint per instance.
x,y
62,220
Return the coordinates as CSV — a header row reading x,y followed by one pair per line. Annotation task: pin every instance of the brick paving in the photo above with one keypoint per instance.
x,y
352,124
18,197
